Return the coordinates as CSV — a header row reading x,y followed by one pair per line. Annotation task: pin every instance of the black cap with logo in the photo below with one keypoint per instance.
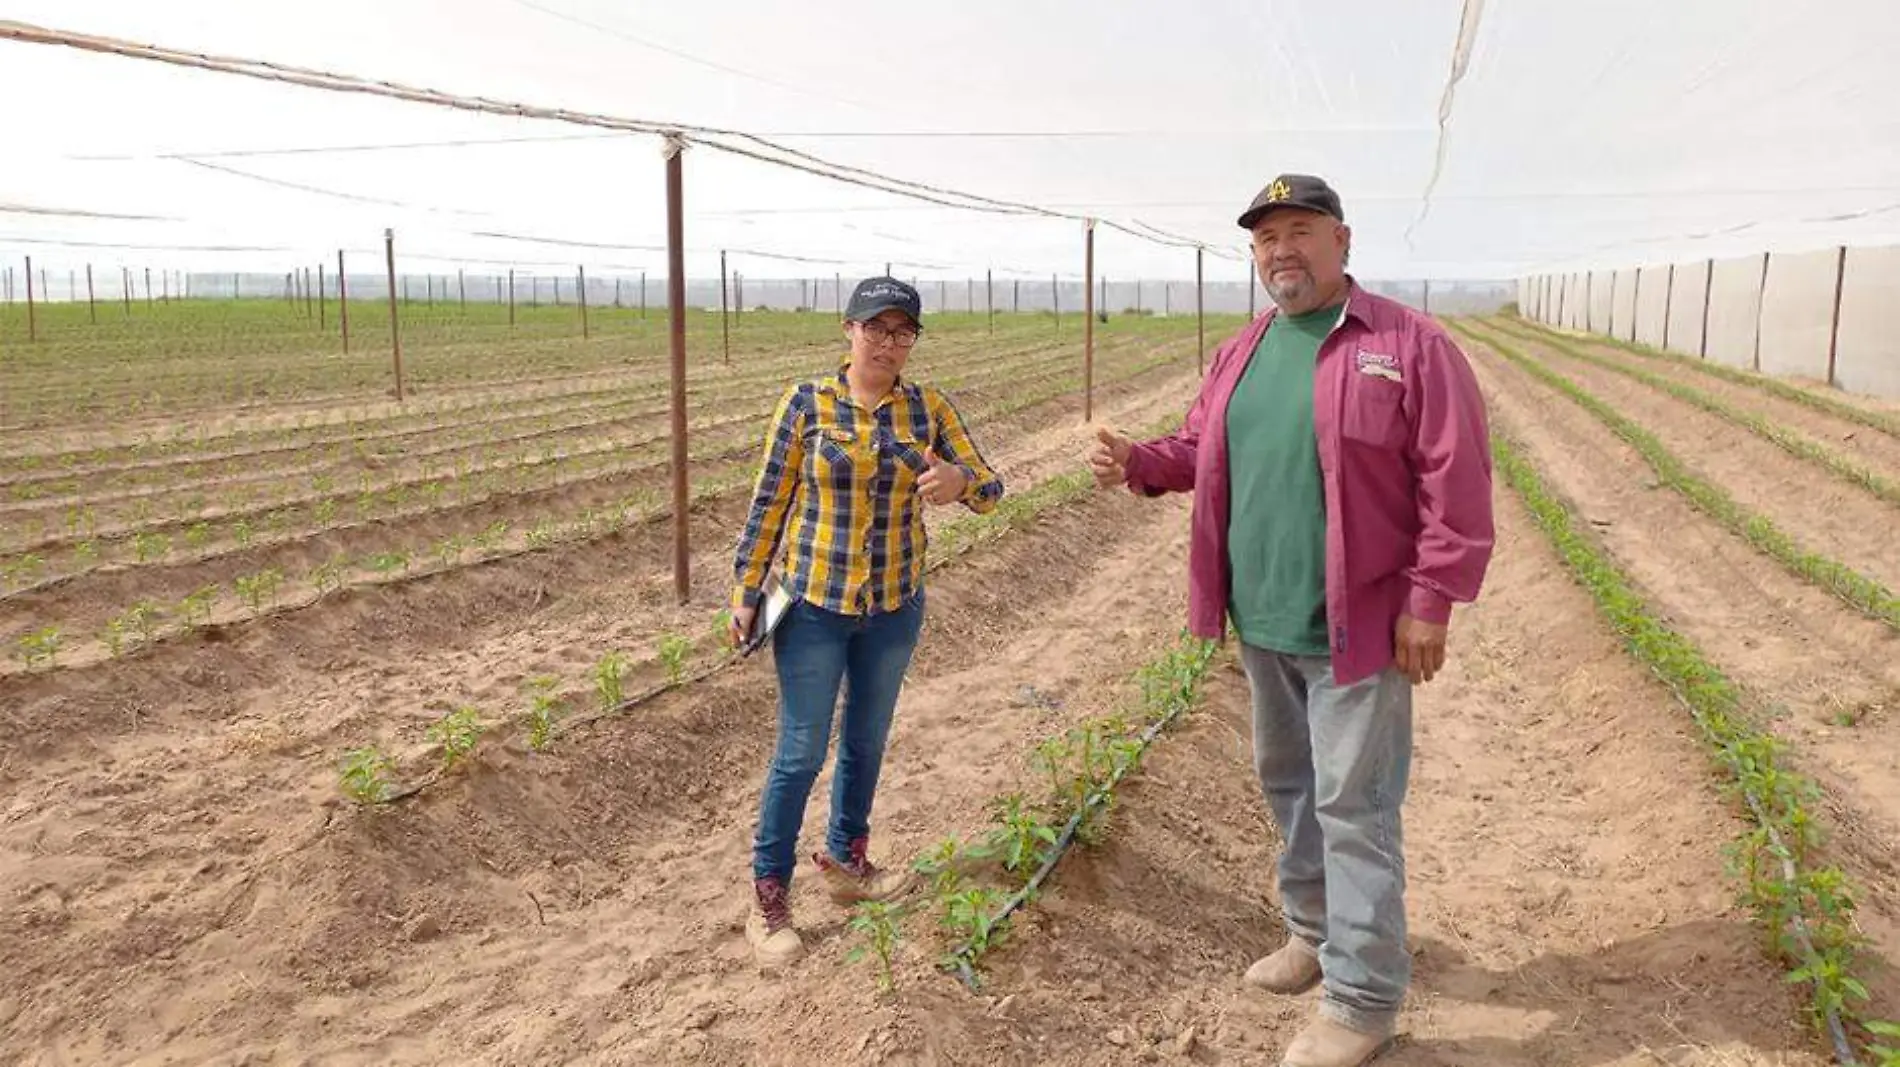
x,y
874,296
1293,190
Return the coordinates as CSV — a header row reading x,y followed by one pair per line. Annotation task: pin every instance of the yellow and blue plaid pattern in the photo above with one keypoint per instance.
x,y
838,488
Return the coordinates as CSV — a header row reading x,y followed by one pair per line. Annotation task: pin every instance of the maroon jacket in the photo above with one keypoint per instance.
x,y
1404,455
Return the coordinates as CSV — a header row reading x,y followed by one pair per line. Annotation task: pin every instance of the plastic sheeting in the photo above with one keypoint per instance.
x,y
1583,136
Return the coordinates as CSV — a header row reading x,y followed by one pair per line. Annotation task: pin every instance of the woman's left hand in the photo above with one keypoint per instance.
x,y
943,483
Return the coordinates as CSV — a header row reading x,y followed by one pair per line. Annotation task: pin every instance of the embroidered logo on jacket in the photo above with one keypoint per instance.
x,y
1378,365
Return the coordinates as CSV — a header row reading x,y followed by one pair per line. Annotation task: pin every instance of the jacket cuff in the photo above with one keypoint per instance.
x,y
745,597
1131,471
1428,605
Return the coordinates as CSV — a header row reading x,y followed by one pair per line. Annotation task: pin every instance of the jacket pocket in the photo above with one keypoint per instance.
x,y
1374,414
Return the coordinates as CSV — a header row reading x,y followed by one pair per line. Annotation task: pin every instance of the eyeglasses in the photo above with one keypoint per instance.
x,y
877,333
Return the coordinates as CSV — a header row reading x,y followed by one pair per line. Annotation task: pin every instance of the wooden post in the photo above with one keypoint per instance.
x,y
989,296
583,287
1088,322
676,308
125,289
92,304
616,294
643,294
725,328
511,296
557,290
1055,301
343,300
395,316
461,286
323,319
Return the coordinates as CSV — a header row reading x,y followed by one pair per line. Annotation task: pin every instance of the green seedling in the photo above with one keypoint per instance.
x,y
196,606
1889,1054
151,546
241,533
448,550
198,535
968,916
457,733
544,710
328,576
876,922
607,677
1021,839
673,651
40,646
365,775
114,637
257,589
143,617
387,563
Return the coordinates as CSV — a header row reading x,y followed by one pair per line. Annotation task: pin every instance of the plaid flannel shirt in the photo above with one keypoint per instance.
x,y
838,488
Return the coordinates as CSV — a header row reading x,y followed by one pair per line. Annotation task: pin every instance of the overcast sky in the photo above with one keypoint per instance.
x,y
1606,133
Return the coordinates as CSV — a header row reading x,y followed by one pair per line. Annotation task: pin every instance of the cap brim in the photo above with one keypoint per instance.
x,y
1252,216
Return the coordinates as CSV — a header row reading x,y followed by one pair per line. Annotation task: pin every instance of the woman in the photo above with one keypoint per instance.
x,y
849,458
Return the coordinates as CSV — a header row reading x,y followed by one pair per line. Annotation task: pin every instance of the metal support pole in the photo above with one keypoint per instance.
x,y
395,318
1088,322
1200,313
343,301
583,285
32,324
676,310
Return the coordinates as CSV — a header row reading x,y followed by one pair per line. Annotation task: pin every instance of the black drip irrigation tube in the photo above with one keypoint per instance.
x,y
1065,839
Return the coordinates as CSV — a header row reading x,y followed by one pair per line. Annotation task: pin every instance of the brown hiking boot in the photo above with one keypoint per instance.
x,y
1293,968
769,929
1329,1043
858,878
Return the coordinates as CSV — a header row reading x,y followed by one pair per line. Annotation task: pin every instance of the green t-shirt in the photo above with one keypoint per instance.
x,y
1276,526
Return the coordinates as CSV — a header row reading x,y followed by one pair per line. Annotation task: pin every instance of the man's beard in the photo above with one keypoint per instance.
x,y
1295,292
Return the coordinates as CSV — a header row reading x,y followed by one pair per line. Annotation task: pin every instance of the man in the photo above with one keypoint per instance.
x,y
1341,473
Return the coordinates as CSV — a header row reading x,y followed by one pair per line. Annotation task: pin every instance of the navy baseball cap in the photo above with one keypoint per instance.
x,y
874,296
1293,190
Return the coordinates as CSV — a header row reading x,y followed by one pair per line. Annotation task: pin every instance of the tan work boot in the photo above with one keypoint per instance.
x,y
858,878
1328,1043
769,928
1293,968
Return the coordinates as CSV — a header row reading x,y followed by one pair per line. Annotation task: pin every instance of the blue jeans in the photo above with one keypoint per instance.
x,y
816,651
1334,762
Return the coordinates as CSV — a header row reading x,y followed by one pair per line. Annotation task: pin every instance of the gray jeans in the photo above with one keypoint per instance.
x,y
1333,764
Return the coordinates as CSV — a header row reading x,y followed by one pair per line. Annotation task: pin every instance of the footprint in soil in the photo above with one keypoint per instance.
x,y
1601,1004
